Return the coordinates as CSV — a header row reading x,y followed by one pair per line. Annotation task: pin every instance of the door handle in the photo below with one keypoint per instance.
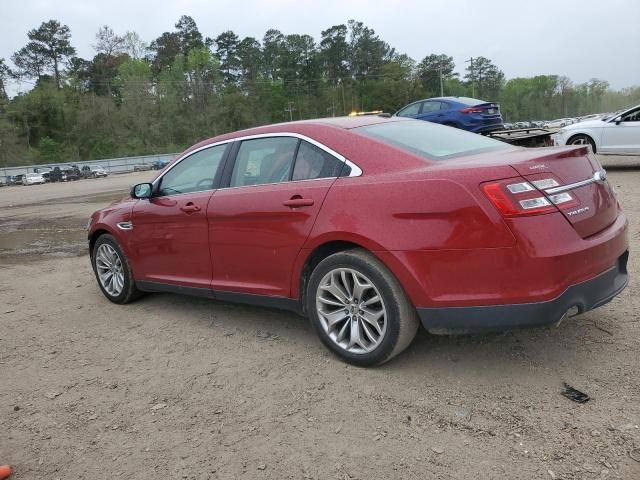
x,y
298,202
190,208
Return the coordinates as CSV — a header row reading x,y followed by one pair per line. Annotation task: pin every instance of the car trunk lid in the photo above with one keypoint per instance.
x,y
577,173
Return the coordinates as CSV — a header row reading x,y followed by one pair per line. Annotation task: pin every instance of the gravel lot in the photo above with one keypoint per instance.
x,y
180,387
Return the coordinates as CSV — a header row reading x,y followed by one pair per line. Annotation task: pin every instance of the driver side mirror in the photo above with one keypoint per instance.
x,y
141,190
618,120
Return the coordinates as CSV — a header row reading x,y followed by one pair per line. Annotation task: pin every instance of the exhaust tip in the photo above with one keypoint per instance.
x,y
573,311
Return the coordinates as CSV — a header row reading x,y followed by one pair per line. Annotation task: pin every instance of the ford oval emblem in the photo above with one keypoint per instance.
x,y
600,176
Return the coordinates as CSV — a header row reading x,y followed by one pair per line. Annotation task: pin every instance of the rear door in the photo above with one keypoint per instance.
x,y
258,224
170,234
623,137
431,112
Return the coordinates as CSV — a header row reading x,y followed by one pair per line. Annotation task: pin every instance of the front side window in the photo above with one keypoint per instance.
x,y
196,173
313,162
632,116
264,160
410,111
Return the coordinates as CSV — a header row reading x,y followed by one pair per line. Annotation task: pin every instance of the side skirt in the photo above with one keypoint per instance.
x,y
280,303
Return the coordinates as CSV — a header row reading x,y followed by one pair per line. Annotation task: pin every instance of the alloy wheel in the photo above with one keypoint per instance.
x,y
351,310
110,270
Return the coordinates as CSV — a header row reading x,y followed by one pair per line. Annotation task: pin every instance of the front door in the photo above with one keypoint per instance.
x,y
170,234
623,137
258,225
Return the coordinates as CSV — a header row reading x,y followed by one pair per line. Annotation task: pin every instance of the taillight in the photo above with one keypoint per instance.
x,y
515,198
471,110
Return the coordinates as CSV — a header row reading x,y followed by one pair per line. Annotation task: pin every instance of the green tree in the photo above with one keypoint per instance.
x,y
189,37
227,50
49,47
5,73
334,54
166,47
432,69
485,78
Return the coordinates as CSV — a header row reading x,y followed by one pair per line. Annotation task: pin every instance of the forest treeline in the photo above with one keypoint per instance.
x,y
135,98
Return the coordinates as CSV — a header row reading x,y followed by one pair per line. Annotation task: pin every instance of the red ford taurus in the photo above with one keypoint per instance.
x,y
371,226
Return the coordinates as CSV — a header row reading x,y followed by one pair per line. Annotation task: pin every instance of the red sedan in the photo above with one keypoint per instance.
x,y
370,226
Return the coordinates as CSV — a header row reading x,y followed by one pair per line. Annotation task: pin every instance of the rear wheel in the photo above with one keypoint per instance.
x,y
359,310
582,140
112,270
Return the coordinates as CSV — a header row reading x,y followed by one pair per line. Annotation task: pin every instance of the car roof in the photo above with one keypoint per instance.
x,y
302,127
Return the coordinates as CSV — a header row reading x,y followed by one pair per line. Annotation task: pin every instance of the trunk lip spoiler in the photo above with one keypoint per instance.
x,y
599,177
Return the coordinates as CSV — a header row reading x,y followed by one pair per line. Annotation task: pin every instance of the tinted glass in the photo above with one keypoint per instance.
x,y
195,173
410,110
313,162
428,139
469,101
264,160
430,107
633,116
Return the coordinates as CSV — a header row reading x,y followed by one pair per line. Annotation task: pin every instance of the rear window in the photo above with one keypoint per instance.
x,y
430,140
469,101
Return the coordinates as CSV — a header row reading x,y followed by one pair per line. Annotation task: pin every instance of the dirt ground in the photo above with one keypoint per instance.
x,y
180,387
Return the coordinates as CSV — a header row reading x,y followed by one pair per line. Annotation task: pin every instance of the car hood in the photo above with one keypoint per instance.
x,y
585,124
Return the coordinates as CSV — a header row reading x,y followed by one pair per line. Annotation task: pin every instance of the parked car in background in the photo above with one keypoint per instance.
x,y
142,167
522,125
559,123
65,173
93,171
369,226
465,113
15,179
44,171
33,179
508,126
159,164
619,133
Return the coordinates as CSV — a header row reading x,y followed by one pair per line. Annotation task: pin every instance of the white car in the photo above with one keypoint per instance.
x,y
618,133
32,179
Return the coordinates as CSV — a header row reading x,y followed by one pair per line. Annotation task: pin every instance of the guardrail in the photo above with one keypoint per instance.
x,y
111,165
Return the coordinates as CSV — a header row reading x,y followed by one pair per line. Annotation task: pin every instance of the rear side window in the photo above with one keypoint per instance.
x,y
430,107
313,162
264,160
430,140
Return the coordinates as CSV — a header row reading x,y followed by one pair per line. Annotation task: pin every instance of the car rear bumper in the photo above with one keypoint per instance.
x,y
580,298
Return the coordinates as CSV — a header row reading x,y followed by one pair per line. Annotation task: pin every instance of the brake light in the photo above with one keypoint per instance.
x,y
471,110
513,198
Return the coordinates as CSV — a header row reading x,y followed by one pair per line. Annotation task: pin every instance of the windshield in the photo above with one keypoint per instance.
x,y
430,140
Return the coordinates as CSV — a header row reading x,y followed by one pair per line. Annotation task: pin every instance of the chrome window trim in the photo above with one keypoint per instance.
x,y
356,171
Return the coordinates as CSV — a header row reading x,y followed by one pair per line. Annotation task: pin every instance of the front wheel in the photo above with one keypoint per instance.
x,y
112,271
582,140
359,310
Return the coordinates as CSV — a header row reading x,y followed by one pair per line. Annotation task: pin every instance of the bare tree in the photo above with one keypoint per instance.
x,y
108,42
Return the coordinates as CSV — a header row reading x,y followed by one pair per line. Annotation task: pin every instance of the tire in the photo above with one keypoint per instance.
x,y
582,140
107,251
373,346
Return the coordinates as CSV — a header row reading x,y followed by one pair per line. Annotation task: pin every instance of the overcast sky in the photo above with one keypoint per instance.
x,y
581,39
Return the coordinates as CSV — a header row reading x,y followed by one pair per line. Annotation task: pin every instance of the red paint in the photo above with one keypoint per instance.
x,y
431,223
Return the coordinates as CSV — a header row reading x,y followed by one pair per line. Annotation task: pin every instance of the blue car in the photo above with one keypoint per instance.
x,y
461,112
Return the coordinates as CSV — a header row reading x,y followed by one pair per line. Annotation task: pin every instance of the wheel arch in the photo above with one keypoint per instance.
x,y
584,134
93,237
310,257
